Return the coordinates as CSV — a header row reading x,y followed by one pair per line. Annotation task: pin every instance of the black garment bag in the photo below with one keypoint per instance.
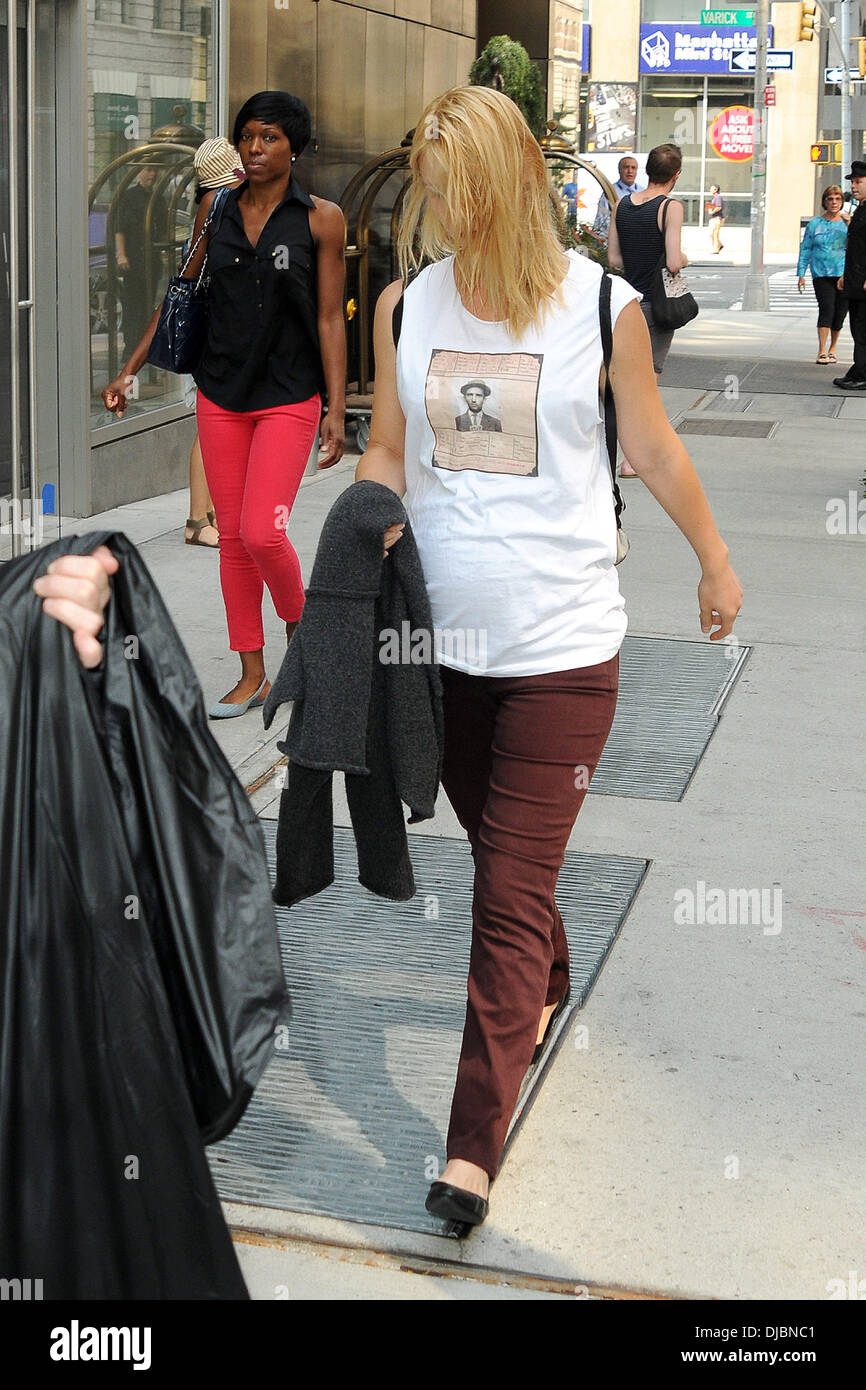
x,y
140,973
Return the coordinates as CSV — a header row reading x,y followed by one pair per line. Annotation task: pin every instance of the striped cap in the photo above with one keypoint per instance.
x,y
217,163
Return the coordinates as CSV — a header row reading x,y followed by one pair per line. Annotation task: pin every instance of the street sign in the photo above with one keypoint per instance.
x,y
741,19
769,96
836,74
826,152
778,60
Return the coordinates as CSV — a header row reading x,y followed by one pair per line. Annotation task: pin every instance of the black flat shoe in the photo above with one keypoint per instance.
x,y
456,1204
847,383
539,1048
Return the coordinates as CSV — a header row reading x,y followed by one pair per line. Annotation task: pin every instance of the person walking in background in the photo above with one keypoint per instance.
x,y
626,183
518,543
715,210
142,221
218,165
636,244
853,281
822,252
275,339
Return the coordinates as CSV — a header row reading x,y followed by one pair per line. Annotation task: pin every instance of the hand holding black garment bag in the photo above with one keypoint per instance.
x,y
139,963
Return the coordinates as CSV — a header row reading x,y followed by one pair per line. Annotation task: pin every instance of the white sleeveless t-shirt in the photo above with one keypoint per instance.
x,y
508,487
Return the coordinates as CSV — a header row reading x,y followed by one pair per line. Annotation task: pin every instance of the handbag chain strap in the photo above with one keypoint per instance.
x,y
217,204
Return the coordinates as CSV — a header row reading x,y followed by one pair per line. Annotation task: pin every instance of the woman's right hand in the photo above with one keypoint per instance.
x,y
392,535
801,283
114,395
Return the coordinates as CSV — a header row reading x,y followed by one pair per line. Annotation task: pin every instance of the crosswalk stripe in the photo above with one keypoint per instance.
x,y
785,298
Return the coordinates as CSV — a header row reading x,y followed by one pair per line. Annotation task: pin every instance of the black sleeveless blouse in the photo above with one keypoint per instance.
x,y
262,347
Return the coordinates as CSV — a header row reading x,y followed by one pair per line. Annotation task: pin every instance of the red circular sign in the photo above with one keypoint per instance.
x,y
732,133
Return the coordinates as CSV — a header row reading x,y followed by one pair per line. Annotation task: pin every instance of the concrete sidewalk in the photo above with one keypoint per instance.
x,y
707,1143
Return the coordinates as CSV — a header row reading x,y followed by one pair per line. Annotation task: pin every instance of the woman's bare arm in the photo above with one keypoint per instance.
x,y
658,456
675,257
329,231
382,461
614,254
114,394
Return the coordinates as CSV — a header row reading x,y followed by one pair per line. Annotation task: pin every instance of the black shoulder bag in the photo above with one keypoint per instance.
x,y
672,302
609,411
179,339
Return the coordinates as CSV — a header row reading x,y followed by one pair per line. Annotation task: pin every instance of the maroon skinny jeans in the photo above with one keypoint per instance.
x,y
519,752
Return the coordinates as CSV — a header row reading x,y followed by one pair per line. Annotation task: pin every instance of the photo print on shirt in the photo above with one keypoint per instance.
x,y
482,410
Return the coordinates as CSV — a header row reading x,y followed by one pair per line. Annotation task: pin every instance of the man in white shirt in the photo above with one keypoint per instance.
x,y
626,183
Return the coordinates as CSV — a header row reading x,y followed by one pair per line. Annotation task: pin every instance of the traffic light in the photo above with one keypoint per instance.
x,y
808,20
861,56
826,152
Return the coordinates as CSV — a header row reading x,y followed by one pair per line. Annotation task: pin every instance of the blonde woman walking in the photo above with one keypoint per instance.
x,y
516,532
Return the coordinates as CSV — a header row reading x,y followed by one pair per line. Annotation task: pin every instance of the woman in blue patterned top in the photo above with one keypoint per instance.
x,y
823,251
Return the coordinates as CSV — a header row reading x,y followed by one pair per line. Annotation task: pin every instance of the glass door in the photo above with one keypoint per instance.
x,y
20,503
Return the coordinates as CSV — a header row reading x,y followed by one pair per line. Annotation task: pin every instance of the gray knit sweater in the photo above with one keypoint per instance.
x,y
379,722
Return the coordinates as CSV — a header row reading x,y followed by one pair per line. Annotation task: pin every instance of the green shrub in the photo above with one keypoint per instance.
x,y
505,64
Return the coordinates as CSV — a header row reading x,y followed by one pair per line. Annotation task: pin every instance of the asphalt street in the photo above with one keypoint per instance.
x,y
720,286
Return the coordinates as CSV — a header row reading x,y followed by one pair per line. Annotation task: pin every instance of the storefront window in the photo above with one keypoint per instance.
x,y
683,110
150,105
565,67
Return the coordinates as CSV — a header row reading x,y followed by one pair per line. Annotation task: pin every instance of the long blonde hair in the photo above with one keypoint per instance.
x,y
500,220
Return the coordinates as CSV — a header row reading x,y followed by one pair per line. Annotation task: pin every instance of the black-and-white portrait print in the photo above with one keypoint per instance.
x,y
475,417
482,410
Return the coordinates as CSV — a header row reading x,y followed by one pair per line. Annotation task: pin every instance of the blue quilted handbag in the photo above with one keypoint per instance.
x,y
179,339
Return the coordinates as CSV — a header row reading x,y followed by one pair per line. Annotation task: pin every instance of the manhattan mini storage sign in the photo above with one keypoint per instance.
x,y
693,48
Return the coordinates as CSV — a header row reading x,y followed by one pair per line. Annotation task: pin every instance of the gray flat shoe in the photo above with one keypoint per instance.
x,y
221,710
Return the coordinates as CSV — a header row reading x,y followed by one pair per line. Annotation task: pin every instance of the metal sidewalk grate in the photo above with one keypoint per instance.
x,y
671,695
743,429
350,1120
718,403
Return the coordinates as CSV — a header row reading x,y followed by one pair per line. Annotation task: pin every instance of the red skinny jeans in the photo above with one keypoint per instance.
x,y
254,461
519,752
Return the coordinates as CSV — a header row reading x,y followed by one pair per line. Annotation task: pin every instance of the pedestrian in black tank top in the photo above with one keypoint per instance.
x,y
635,243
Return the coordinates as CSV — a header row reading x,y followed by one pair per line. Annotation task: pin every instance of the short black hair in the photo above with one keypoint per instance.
x,y
663,162
277,108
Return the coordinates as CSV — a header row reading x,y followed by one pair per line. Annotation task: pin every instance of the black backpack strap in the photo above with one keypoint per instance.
x,y
397,321
608,404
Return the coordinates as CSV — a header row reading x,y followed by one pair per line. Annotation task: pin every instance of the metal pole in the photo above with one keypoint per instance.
x,y
703,193
831,31
30,303
756,291
14,369
845,44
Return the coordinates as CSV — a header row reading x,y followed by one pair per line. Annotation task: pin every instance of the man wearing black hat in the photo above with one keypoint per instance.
x,y
473,418
853,282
